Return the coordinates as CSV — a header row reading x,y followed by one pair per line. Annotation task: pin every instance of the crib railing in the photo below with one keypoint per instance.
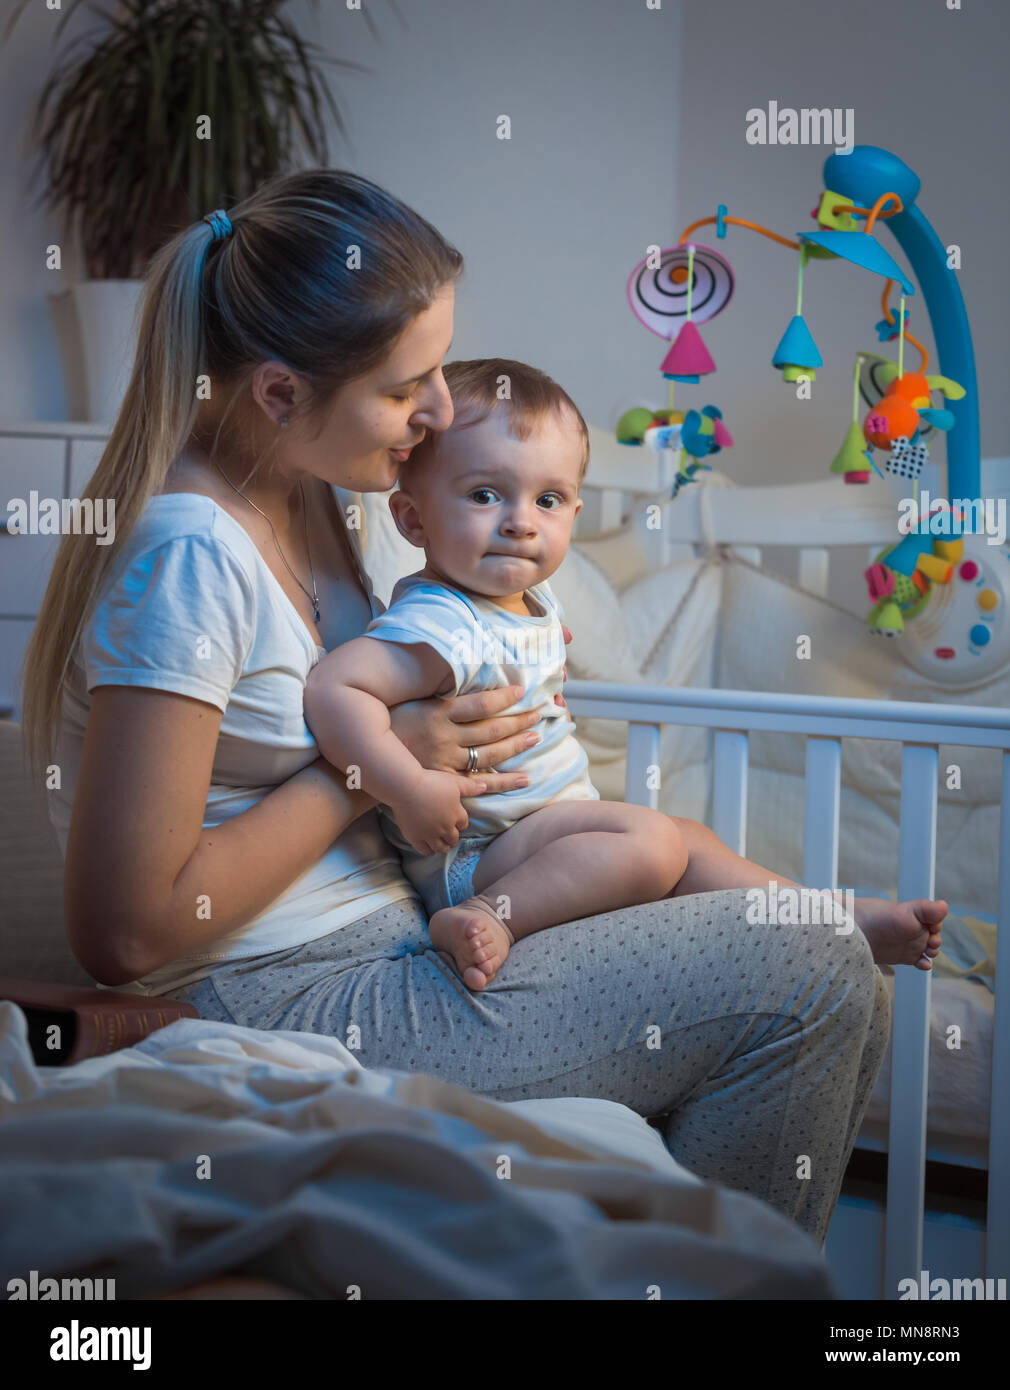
x,y
920,728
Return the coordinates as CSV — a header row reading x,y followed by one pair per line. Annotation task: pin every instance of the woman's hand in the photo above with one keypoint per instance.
x,y
440,733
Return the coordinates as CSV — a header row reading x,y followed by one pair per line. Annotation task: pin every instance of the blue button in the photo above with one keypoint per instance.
x,y
979,635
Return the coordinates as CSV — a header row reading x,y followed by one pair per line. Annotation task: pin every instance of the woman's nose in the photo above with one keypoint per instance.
x,y
436,411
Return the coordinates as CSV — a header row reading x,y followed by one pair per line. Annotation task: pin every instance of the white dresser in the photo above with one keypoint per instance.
x,y
53,460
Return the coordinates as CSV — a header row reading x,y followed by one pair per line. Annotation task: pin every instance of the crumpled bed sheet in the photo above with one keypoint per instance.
x,y
326,1177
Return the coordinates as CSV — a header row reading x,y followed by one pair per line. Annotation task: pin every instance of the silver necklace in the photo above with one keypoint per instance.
x,y
314,596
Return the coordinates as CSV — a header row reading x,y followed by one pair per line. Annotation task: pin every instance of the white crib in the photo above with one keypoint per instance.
x,y
919,729
814,518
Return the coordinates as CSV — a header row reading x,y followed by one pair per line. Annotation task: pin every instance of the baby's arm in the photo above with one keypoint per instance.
x,y
347,699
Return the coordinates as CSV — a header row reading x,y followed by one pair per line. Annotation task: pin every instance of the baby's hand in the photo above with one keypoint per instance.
x,y
430,814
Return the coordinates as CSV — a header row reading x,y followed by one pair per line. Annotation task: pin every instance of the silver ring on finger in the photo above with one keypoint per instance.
x,y
471,761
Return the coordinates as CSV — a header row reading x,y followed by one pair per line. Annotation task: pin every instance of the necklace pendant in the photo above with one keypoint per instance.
x,y
316,614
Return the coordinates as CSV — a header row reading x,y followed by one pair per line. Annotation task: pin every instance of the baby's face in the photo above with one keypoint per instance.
x,y
497,512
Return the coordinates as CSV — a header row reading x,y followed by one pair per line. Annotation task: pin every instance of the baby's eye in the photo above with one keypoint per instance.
x,y
550,501
482,496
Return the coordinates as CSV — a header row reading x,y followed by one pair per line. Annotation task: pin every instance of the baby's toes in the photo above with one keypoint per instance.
x,y
475,979
480,955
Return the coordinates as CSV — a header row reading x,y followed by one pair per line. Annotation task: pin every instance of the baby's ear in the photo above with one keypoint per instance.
x,y
407,517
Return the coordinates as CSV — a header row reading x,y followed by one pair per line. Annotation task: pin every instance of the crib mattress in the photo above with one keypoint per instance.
x,y
960,1076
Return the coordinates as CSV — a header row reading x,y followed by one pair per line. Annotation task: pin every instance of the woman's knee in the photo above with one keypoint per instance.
x,y
841,956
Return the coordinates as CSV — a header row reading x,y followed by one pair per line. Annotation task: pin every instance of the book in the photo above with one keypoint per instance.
x,y
67,1023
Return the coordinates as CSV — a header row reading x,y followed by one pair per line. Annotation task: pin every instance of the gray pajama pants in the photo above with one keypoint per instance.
x,y
768,1044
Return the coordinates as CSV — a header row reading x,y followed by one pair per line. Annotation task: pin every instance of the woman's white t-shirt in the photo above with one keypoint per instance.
x,y
191,606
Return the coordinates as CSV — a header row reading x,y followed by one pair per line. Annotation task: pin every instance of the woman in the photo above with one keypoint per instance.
x,y
289,357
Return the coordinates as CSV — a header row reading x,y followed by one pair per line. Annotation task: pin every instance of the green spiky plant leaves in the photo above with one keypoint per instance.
x,y
117,130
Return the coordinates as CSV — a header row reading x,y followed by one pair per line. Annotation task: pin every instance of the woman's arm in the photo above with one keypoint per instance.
x,y
144,883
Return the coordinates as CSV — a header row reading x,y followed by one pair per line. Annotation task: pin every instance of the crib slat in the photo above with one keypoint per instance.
x,y
601,511
729,788
813,569
997,1240
906,1160
822,808
643,755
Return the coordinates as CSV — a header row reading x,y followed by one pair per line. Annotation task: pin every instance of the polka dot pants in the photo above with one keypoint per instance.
x,y
755,1045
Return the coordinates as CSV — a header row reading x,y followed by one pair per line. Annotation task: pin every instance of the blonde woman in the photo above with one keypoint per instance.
x,y
289,358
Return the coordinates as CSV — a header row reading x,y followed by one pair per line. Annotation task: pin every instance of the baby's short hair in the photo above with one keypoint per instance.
x,y
477,388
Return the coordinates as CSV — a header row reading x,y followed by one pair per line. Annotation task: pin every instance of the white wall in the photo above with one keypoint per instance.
x,y
925,82
623,131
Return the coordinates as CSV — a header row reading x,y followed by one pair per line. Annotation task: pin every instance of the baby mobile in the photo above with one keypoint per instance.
x,y
674,291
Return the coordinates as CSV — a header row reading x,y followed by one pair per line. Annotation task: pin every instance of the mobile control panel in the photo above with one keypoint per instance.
x,y
962,635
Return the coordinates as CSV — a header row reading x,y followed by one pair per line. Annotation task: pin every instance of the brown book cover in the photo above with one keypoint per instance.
x,y
88,1022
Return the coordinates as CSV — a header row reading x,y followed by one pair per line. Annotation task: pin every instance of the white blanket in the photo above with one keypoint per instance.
x,y
212,1149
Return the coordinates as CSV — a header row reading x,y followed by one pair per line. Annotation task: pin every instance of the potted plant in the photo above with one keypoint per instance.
x,y
178,107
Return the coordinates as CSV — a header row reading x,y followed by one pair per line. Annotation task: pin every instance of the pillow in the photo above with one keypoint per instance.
x,y
760,619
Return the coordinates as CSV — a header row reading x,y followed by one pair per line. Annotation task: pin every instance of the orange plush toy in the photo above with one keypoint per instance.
x,y
905,407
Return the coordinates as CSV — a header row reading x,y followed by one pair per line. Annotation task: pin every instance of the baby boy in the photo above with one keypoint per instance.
x,y
491,501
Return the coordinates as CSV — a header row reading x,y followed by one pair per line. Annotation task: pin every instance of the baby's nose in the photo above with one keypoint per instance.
x,y
518,523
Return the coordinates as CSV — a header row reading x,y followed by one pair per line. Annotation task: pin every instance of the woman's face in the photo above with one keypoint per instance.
x,y
390,408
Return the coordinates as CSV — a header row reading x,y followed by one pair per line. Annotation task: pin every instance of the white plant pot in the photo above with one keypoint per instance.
x,y
105,311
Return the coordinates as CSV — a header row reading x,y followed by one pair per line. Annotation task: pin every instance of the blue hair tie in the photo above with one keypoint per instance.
x,y
220,224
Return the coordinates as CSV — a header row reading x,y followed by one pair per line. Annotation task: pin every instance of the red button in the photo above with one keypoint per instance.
x,y
969,570
945,653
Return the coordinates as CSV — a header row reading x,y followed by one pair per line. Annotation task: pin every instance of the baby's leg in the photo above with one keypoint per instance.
x,y
906,933
571,859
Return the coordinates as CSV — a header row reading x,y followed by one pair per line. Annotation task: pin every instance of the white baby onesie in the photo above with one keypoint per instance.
x,y
487,647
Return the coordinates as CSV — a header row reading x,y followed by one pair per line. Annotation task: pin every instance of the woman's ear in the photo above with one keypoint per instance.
x,y
407,517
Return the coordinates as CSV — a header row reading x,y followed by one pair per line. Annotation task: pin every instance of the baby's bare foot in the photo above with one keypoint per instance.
x,y
902,933
475,937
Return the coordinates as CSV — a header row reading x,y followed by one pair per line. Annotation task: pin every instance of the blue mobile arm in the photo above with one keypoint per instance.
x,y
864,175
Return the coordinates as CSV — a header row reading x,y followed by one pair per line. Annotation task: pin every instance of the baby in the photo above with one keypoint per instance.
x,y
492,501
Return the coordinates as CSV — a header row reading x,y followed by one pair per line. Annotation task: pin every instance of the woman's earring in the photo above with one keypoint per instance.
x,y
285,420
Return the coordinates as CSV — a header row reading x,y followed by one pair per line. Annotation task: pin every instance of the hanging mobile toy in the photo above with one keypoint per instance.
x,y
690,285
687,286
673,291
853,456
901,577
797,354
